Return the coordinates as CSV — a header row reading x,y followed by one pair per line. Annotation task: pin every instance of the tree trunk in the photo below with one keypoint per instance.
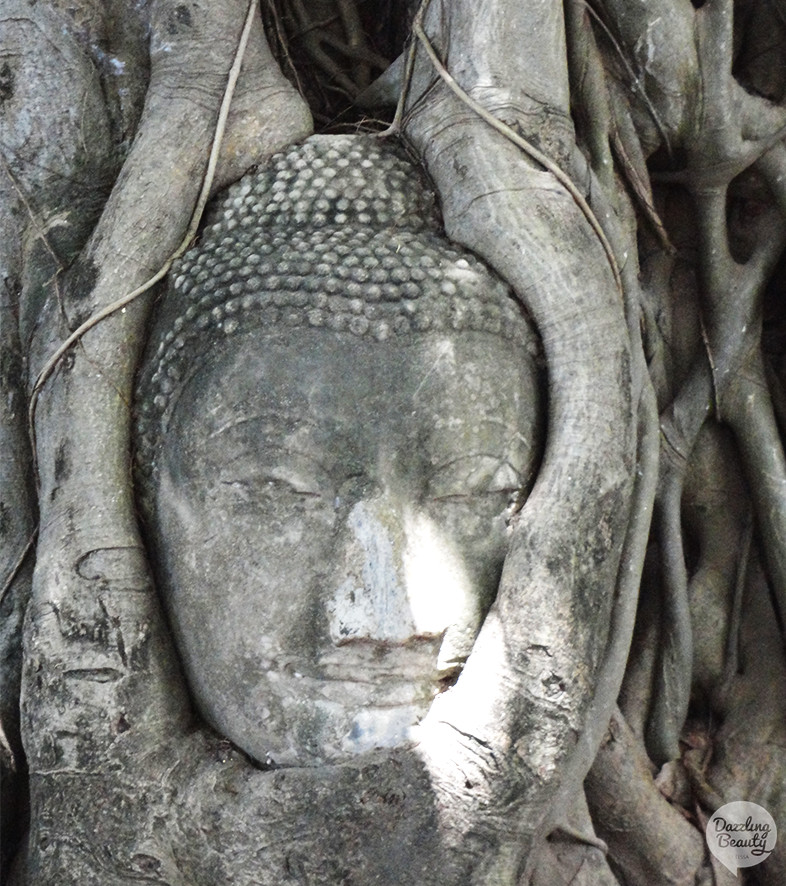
x,y
620,165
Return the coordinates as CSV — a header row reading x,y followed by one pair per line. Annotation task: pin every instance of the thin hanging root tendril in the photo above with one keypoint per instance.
x,y
634,78
510,134
17,567
713,369
196,217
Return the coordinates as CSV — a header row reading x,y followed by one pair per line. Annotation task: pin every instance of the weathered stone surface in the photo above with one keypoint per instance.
x,y
340,232
338,413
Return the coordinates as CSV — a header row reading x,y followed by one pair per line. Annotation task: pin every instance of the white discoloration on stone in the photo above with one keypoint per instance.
x,y
371,602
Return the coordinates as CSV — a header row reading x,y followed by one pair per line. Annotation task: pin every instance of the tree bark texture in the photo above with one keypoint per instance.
x,y
621,166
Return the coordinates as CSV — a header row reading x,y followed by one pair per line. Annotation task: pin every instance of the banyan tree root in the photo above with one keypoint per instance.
x,y
723,372
94,621
98,663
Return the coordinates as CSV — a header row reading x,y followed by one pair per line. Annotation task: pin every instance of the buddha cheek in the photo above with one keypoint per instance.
x,y
242,562
286,548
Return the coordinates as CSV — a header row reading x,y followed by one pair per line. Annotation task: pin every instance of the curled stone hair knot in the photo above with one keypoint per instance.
x,y
340,233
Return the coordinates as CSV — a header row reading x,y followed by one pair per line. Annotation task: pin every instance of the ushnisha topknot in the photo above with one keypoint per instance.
x,y
339,232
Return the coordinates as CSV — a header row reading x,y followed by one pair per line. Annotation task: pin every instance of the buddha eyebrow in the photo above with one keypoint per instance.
x,y
234,422
272,479
498,462
271,415
261,461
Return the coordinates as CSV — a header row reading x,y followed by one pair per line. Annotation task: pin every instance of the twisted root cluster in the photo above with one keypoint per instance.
x,y
693,120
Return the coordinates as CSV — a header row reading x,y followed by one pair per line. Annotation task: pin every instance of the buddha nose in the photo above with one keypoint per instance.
x,y
398,578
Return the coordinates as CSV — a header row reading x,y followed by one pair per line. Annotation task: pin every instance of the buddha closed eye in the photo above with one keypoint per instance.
x,y
327,456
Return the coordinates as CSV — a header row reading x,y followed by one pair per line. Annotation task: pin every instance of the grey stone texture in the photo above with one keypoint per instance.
x,y
337,415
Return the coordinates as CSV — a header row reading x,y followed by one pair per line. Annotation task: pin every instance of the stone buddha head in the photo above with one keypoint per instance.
x,y
336,417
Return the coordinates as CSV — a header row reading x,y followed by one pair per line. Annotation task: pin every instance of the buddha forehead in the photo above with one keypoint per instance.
x,y
337,406
340,235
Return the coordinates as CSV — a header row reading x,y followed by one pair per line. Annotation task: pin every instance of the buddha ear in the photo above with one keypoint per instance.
x,y
386,89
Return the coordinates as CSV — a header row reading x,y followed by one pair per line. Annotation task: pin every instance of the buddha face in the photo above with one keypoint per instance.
x,y
330,525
